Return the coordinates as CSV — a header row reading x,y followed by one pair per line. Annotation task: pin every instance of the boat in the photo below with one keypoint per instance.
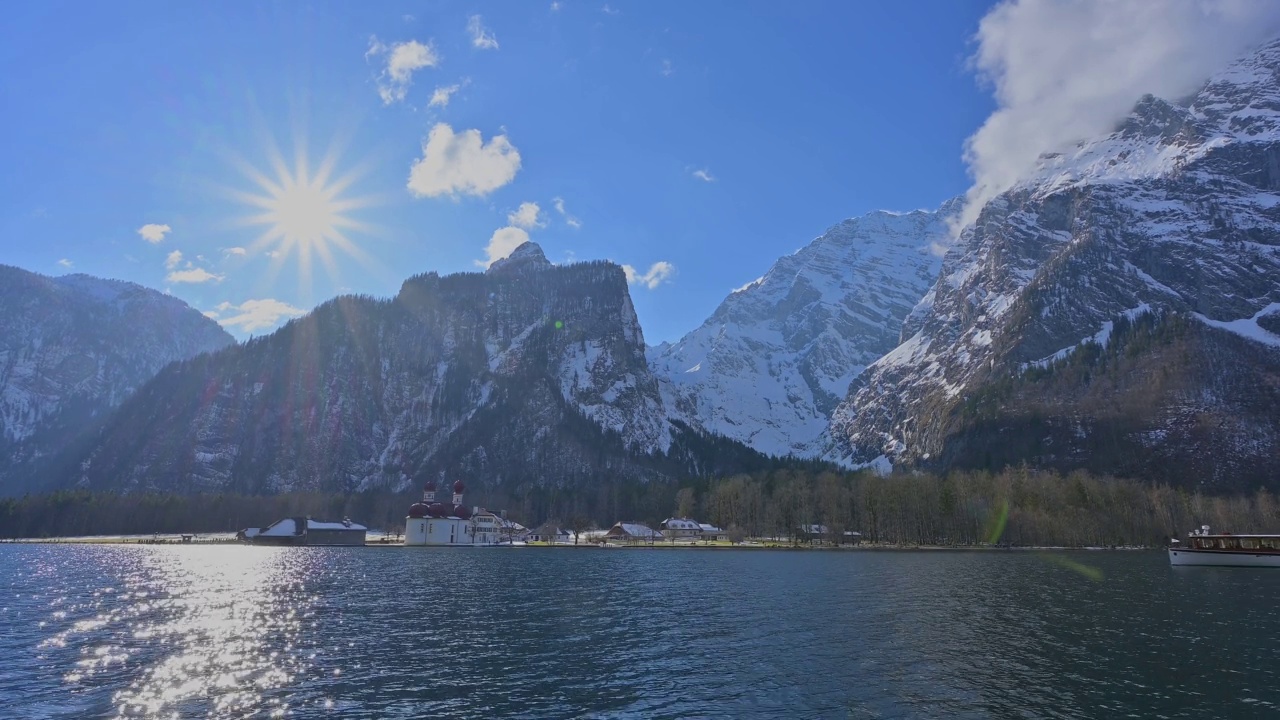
x,y
1224,549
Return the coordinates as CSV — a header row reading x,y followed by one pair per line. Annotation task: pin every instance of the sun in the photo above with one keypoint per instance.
x,y
303,213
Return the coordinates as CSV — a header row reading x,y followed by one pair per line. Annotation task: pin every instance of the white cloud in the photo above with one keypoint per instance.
x,y
238,251
527,216
65,263
273,254
481,36
569,220
153,233
194,276
659,273
174,259
667,68
1065,71
252,315
462,164
608,10
402,60
704,175
442,95
504,240
555,7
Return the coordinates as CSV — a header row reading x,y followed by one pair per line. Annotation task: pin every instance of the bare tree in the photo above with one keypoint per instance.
x,y
579,524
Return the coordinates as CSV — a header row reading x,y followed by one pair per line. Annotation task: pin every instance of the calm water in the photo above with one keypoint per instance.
x,y
229,631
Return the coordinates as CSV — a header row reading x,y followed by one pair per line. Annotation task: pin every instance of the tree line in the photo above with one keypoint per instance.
x,y
1018,506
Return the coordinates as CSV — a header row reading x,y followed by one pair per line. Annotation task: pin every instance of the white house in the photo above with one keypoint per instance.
x,y
676,528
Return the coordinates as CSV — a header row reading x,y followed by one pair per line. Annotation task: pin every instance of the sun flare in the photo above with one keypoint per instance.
x,y
303,212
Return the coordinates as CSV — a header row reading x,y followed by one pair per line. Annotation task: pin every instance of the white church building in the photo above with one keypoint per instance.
x,y
433,523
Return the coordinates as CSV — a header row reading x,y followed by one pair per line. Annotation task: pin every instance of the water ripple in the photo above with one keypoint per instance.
x,y
238,632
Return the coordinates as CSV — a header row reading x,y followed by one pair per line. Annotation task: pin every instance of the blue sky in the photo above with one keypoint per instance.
x,y
693,141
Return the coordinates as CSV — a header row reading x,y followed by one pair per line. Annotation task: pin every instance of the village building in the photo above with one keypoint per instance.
x,y
512,531
486,528
434,523
439,524
680,528
711,532
632,533
305,531
493,529
820,533
550,535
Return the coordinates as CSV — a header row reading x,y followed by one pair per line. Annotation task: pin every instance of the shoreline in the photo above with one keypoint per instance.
x,y
224,539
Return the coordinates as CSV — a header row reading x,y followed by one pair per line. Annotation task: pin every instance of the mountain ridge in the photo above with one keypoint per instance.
x,y
777,355
1173,214
526,375
74,347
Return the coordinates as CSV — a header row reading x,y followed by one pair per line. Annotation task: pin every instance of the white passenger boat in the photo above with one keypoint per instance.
x,y
1205,548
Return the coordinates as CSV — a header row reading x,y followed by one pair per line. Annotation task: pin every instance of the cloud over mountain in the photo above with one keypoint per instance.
x,y
1063,70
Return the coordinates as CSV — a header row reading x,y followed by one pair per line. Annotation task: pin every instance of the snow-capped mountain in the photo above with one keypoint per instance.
x,y
73,347
774,360
1118,310
527,373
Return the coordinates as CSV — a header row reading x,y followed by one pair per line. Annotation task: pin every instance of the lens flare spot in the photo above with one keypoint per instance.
x,y
995,525
1088,571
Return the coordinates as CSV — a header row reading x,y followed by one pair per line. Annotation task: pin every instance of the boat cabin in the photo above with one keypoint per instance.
x,y
1255,543
1202,539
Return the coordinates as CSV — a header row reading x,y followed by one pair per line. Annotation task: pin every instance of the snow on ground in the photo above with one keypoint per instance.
x,y
1247,327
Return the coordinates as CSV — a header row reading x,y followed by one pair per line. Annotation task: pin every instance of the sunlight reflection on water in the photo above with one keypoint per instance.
x,y
215,627
239,632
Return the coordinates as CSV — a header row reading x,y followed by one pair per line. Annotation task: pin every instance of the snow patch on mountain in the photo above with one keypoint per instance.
x,y
769,366
1174,211
73,347
1247,327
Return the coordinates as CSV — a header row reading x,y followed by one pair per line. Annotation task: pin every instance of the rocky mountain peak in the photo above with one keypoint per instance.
x,y
771,363
529,373
1109,312
527,257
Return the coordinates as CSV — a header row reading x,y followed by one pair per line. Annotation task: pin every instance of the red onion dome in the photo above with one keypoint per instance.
x,y
436,510
431,486
461,511
418,510
458,487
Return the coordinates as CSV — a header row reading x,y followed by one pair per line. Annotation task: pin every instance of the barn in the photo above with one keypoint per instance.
x,y
306,531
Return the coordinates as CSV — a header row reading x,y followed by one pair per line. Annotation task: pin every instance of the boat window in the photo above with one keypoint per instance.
x,y
1271,543
1249,543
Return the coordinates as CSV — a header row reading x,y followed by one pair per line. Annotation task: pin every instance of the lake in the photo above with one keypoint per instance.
x,y
233,631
